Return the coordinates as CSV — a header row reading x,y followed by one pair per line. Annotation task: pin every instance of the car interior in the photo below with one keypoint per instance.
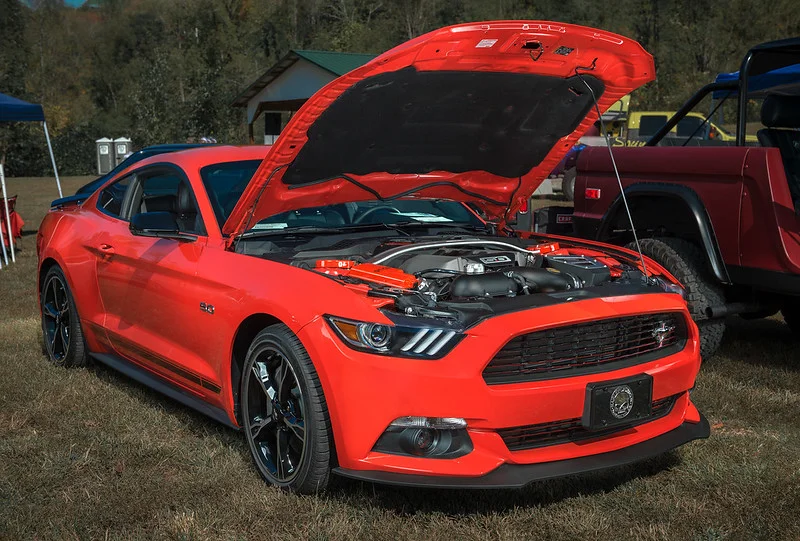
x,y
162,191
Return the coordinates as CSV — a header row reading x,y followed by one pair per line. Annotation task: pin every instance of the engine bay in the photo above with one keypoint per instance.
x,y
460,277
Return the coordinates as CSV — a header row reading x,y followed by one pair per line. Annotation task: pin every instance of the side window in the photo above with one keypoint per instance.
x,y
167,191
111,198
649,124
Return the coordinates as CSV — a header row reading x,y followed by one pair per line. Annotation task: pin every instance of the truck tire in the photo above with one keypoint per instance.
x,y
568,184
791,315
688,264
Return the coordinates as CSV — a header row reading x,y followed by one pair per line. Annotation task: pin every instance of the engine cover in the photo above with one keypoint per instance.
x,y
590,271
465,262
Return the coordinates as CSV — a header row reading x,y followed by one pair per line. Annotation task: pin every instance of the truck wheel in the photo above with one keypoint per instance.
x,y
687,263
568,184
791,315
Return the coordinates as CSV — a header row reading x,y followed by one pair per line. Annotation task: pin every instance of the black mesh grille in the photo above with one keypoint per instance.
x,y
557,432
586,348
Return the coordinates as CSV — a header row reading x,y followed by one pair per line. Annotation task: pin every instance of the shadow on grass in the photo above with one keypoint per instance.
x,y
193,421
405,501
771,338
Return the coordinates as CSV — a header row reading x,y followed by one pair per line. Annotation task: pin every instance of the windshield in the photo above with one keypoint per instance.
x,y
401,212
225,183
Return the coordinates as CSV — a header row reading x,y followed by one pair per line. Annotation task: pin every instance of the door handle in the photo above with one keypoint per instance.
x,y
106,248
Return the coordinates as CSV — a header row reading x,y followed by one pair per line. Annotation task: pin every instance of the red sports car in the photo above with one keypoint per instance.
x,y
353,299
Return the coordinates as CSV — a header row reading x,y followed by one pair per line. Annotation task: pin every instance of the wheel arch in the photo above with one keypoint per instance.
x,y
44,267
684,211
242,338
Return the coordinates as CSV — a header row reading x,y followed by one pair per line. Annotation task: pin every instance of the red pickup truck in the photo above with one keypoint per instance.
x,y
723,219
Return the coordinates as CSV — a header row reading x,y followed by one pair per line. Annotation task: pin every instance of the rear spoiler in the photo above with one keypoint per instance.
x,y
69,200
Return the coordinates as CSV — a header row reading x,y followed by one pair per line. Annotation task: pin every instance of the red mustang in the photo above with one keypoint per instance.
x,y
352,297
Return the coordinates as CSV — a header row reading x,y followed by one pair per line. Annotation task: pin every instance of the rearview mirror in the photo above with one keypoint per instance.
x,y
157,224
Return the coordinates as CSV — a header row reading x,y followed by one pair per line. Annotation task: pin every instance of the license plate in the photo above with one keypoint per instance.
x,y
613,403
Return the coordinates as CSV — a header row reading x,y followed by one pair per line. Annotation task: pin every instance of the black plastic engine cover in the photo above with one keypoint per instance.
x,y
546,280
589,270
491,284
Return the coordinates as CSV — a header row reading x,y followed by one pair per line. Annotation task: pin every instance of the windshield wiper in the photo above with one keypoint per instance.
x,y
433,225
395,226
302,229
317,230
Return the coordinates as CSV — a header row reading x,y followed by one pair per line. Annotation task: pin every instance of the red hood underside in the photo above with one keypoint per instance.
x,y
477,112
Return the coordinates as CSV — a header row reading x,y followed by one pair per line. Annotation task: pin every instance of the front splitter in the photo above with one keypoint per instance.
x,y
519,475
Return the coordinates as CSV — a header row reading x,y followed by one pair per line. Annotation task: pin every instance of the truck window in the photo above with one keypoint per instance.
x,y
649,124
690,126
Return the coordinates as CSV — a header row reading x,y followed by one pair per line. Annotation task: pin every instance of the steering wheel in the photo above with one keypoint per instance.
x,y
374,210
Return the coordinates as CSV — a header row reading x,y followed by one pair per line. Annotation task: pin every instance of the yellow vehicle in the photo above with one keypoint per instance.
x,y
642,125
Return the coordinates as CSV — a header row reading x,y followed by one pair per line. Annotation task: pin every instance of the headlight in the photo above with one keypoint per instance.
x,y
669,287
424,342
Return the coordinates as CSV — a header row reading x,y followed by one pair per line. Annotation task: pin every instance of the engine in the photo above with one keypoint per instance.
x,y
472,270
459,277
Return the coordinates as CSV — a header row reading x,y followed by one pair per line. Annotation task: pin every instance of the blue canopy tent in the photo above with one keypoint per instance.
x,y
785,80
16,110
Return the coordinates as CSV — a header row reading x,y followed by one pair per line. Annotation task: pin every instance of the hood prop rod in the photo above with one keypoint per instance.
x,y
607,139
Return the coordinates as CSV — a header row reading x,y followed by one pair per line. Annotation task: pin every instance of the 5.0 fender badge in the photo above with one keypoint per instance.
x,y
207,308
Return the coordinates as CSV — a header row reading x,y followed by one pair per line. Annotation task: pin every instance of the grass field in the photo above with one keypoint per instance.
x,y
89,454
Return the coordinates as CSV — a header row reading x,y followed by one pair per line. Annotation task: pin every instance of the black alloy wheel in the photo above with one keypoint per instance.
x,y
284,414
61,330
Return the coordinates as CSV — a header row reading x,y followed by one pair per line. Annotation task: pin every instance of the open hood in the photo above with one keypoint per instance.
x,y
477,112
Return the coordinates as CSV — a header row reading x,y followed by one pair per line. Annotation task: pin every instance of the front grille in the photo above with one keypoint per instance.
x,y
529,437
587,348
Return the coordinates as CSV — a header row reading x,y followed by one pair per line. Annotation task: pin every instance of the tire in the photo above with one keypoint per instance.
x,y
62,335
568,184
284,414
791,315
688,264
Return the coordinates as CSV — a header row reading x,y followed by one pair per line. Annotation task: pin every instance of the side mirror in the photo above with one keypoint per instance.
x,y
157,224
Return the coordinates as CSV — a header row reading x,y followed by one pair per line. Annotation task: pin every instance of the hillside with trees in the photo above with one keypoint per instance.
x,y
167,70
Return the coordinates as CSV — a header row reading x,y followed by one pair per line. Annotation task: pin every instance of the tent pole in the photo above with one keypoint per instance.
x,y
3,242
8,217
52,157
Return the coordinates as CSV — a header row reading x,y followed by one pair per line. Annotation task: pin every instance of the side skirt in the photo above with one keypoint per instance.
x,y
157,384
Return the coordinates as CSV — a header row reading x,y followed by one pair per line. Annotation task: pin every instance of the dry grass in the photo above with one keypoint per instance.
x,y
89,454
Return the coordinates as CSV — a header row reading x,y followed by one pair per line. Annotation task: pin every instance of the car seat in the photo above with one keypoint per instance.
x,y
187,217
781,116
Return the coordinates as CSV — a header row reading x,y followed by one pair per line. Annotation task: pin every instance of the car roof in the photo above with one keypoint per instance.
x,y
199,157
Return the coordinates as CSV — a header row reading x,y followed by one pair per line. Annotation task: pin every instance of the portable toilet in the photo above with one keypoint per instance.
x,y
122,147
105,155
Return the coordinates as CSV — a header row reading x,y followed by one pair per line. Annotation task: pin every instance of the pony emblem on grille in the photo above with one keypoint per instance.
x,y
662,332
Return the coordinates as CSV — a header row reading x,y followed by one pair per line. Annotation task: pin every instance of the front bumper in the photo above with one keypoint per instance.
x,y
366,392
520,475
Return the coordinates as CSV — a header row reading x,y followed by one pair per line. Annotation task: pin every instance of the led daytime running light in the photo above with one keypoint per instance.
x,y
438,423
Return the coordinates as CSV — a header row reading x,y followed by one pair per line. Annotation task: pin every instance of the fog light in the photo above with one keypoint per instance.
x,y
421,440
430,437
